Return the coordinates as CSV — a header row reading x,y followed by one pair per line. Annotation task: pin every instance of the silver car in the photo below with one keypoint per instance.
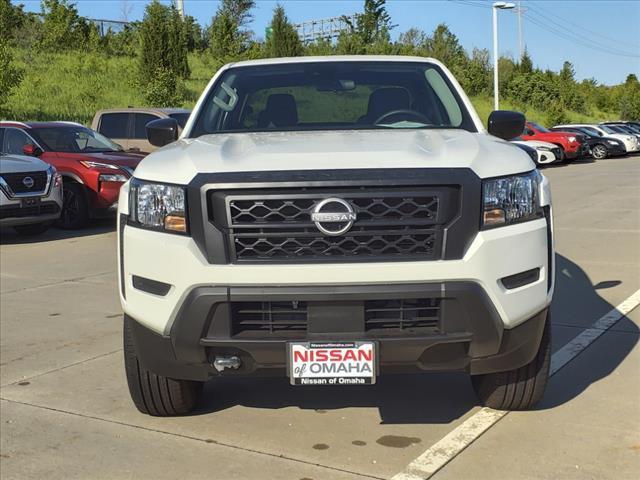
x,y
30,194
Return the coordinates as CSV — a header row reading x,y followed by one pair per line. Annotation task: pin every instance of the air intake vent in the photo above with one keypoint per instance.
x,y
422,314
269,317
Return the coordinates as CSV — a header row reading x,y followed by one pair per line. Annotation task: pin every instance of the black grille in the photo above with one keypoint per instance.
x,y
269,317
44,208
393,224
422,314
289,318
402,208
16,181
313,246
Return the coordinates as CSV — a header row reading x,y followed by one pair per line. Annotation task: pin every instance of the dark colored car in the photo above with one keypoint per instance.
x,y
93,168
600,147
571,143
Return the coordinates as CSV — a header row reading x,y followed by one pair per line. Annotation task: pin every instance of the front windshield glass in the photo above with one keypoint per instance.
x,y
73,139
331,96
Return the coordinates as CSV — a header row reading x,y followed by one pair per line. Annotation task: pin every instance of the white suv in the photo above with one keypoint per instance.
x,y
333,219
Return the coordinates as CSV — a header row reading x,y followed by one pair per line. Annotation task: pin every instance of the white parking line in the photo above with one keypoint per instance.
x,y
450,446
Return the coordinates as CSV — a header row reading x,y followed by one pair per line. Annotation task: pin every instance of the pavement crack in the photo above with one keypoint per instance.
x,y
80,362
59,282
190,437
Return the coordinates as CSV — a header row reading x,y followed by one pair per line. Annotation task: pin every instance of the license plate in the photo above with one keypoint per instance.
x,y
332,363
30,202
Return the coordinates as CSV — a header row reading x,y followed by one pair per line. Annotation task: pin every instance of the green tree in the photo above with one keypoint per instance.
x,y
12,17
179,44
284,40
412,41
10,75
445,46
372,24
62,27
320,47
229,36
630,99
526,64
477,77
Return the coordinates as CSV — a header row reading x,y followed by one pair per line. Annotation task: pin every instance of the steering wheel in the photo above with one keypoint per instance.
x,y
421,117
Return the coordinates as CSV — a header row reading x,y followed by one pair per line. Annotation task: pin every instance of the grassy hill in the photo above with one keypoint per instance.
x,y
73,86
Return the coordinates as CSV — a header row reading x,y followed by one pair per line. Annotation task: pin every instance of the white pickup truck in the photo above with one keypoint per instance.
x,y
334,219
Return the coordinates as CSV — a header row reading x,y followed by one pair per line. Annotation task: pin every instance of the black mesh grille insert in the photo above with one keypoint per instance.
x,y
269,317
390,223
403,208
406,314
382,244
17,184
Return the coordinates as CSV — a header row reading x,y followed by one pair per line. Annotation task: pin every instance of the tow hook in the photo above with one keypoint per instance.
x,y
220,363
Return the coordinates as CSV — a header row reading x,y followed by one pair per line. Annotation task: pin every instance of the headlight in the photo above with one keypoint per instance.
x,y
511,199
56,178
158,206
572,139
108,166
112,177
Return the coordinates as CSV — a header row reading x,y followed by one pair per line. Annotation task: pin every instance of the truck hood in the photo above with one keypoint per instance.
x,y
20,163
487,156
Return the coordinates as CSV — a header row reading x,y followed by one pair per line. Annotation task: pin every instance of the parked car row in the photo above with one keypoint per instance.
x,y
566,143
66,173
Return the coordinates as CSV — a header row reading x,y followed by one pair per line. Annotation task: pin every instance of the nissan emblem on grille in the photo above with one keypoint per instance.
x,y
333,216
28,182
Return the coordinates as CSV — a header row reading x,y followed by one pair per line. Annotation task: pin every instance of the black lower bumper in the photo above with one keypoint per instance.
x,y
469,335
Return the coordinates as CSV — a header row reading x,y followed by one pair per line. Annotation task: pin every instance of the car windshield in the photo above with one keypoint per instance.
x,y
181,118
540,128
331,96
73,139
607,129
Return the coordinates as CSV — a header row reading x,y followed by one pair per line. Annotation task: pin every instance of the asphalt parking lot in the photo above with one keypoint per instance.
x,y
66,413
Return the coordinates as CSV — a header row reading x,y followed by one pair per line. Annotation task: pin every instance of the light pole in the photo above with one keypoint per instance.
x,y
497,6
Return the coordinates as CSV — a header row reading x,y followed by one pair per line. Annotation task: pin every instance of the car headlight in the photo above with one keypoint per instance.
x,y
107,166
572,139
158,206
512,199
56,178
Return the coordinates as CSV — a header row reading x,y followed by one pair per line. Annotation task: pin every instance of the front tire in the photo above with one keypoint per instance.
x,y
154,394
33,229
520,388
599,152
75,207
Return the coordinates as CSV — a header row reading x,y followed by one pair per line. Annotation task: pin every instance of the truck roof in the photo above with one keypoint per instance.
x,y
336,58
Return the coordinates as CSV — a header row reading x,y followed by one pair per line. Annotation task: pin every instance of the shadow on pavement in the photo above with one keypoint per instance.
x,y
8,236
578,304
444,397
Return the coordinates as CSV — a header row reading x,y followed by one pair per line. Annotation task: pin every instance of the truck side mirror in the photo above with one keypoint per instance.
x,y
32,150
506,124
162,131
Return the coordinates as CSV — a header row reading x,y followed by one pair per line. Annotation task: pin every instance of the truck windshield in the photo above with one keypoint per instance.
x,y
340,95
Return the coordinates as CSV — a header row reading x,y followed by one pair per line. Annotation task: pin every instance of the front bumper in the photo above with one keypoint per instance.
x,y
471,337
15,211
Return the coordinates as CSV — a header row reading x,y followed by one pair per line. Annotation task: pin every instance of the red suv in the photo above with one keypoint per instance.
x,y
92,167
573,145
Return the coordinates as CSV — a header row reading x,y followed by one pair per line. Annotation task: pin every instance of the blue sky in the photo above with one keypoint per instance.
x,y
600,37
